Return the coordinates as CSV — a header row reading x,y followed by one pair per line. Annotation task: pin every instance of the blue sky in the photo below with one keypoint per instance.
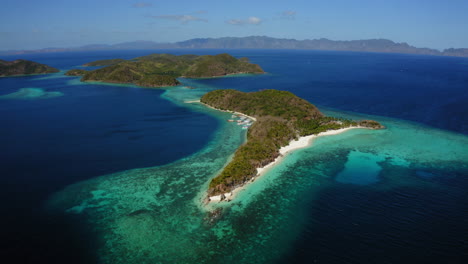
x,y
31,24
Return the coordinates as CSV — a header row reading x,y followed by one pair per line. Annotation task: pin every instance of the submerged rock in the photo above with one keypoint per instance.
x,y
139,212
213,216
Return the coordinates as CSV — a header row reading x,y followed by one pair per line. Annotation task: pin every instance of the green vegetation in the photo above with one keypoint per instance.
x,y
157,81
281,117
370,124
220,65
158,70
76,72
104,62
22,67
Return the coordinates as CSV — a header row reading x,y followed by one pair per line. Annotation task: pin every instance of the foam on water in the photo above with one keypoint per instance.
x,y
155,215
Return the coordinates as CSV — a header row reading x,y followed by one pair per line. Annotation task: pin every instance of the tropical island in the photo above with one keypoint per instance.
x,y
24,67
76,72
280,118
160,70
103,62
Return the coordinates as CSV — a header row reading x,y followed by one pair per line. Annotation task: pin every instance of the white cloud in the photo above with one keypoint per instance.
x,y
254,20
182,18
249,21
142,4
288,14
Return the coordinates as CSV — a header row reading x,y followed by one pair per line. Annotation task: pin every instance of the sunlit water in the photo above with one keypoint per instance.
x,y
156,214
364,196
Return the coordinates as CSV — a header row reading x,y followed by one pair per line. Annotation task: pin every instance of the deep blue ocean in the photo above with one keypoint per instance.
x,y
94,129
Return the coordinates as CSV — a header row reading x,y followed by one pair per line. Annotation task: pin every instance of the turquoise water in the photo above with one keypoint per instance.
x,y
117,174
31,93
360,168
156,215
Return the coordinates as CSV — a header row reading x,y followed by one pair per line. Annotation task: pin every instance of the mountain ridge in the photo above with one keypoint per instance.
x,y
264,42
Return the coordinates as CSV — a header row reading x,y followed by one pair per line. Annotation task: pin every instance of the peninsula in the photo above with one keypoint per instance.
x,y
160,70
23,67
281,117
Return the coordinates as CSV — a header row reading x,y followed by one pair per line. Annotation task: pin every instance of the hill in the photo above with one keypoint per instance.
x,y
157,70
22,67
76,72
263,42
104,62
281,117
256,42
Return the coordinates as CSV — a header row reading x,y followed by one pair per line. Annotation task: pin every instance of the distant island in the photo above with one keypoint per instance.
x,y
263,42
23,67
160,70
280,118
76,72
104,62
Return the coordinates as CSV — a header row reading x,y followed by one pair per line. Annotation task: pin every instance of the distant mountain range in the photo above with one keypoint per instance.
x,y
262,42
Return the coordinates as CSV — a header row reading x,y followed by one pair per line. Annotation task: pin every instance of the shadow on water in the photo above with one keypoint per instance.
x,y
33,236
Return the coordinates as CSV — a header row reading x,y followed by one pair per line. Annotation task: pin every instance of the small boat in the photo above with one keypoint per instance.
x,y
230,120
245,127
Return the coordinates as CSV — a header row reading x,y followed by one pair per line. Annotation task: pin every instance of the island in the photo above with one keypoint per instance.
x,y
76,72
160,70
280,118
24,67
264,42
103,62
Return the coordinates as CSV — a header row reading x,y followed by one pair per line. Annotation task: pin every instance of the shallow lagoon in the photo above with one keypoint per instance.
x,y
156,214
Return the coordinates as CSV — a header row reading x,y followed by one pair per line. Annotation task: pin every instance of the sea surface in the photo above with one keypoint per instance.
x,y
99,173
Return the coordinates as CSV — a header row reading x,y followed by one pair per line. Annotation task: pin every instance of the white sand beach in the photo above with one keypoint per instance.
x,y
233,112
192,101
302,142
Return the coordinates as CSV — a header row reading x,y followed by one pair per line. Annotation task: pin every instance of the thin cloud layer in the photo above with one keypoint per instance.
x,y
181,18
248,21
288,14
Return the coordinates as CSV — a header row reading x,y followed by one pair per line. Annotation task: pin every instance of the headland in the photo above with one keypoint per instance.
x,y
283,122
